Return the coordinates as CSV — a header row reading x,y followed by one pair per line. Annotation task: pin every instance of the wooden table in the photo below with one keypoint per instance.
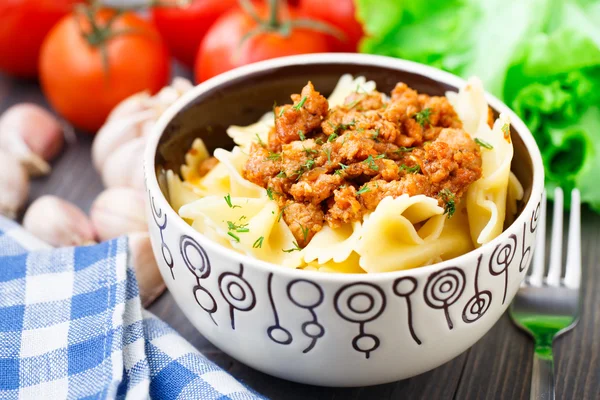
x,y
497,367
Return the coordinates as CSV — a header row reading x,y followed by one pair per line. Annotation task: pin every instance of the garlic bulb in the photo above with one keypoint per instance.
x,y
33,135
125,166
118,211
141,258
134,117
58,222
14,185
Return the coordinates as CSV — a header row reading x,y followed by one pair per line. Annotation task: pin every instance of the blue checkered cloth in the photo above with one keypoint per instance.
x,y
72,326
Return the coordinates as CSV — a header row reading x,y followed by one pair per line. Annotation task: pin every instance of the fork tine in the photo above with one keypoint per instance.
x,y
573,274
554,271
539,251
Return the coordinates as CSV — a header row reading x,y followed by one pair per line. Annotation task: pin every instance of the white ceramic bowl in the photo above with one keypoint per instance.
x,y
318,328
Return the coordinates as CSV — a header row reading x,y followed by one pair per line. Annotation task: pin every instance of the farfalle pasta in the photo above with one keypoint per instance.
x,y
361,182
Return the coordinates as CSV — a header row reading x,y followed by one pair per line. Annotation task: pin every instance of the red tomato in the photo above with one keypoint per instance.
x,y
77,82
23,26
222,48
340,14
184,27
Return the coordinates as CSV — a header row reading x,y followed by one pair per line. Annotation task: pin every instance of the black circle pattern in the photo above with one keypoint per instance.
x,y
477,305
160,219
203,297
500,260
345,296
237,292
404,287
311,329
443,289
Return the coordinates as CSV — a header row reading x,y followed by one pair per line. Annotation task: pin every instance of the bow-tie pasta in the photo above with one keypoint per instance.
x,y
359,182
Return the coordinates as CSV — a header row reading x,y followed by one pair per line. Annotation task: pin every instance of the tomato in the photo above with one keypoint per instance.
x,y
23,26
184,27
340,14
229,44
81,84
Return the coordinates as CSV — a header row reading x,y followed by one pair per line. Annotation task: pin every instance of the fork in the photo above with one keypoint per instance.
x,y
547,307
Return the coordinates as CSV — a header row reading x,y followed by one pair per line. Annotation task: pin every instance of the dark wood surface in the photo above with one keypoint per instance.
x,y
497,367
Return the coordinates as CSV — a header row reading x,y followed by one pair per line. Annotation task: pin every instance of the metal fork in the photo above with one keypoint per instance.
x,y
547,307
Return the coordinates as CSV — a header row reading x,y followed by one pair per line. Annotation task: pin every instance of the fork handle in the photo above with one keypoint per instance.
x,y
542,377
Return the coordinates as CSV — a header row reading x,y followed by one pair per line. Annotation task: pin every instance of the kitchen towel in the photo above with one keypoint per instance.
x,y
72,326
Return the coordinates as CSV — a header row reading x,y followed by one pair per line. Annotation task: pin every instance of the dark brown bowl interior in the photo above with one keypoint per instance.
x,y
244,100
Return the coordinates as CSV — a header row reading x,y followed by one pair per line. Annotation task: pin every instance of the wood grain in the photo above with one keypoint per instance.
x,y
497,367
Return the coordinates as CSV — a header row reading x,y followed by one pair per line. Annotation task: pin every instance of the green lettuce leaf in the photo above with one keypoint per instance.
x,y
542,57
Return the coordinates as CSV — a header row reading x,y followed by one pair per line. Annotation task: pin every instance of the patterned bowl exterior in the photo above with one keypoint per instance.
x,y
330,329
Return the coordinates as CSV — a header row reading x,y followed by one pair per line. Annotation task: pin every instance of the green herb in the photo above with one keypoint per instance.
x,y
353,104
228,201
281,174
274,156
258,243
281,213
237,239
364,189
305,231
506,131
403,150
309,151
300,104
319,141
410,170
422,116
484,144
260,142
375,136
379,157
295,248
449,202
370,161
270,193
332,137
301,134
238,228
342,166
328,153
359,89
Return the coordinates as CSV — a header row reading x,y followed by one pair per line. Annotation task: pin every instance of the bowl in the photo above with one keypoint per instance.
x,y
314,327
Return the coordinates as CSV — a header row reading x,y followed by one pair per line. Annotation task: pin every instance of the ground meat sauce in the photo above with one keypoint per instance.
x,y
334,165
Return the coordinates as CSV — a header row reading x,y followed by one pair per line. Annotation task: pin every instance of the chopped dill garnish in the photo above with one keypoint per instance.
x,y
238,228
274,156
506,131
260,142
422,116
304,231
332,137
364,189
281,174
410,170
375,136
237,239
379,157
309,151
270,193
258,243
484,144
296,248
300,104
328,153
228,201
370,161
281,213
403,149
301,135
352,104
449,202
319,141
342,167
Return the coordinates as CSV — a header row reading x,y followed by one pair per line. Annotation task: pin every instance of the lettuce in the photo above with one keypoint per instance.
x,y
542,57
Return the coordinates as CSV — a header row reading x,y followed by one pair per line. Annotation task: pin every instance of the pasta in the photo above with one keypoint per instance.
x,y
360,182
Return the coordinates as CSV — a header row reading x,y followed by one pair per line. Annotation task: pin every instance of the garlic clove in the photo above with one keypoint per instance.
x,y
115,133
141,258
14,185
33,135
131,105
125,166
58,222
118,211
